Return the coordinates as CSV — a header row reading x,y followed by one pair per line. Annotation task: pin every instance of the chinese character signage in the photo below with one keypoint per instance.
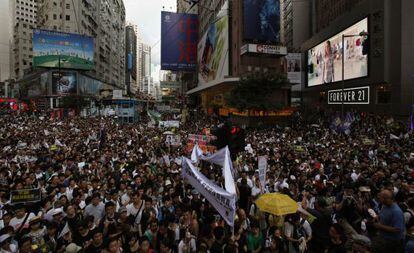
x,y
25,196
179,36
52,49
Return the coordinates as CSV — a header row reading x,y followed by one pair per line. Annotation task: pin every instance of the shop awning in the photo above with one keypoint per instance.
x,y
212,84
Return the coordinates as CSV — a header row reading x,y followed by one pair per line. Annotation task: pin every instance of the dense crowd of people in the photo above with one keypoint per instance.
x,y
110,187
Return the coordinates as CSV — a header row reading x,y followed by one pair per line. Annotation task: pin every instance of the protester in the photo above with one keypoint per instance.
x,y
111,187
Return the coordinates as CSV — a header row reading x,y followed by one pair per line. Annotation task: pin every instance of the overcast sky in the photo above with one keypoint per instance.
x,y
146,14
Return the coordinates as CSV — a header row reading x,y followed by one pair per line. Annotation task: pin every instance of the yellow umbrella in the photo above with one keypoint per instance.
x,y
277,204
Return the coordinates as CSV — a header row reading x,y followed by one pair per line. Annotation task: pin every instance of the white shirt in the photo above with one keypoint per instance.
x,y
306,226
125,199
136,212
191,244
255,191
15,222
249,182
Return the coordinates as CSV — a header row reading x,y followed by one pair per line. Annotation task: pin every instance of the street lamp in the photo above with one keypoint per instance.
x,y
361,34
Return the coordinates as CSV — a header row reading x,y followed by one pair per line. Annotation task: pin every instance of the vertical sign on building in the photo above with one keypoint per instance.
x,y
294,63
179,36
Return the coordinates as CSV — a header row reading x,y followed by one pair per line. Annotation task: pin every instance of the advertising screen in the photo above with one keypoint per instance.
x,y
64,83
325,59
262,20
73,51
179,36
213,50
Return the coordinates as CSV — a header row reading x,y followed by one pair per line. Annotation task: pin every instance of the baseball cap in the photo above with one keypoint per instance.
x,y
72,248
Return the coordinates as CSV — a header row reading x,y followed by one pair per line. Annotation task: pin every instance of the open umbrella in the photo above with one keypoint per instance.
x,y
276,204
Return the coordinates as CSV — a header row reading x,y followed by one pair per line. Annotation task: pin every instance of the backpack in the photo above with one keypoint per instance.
x,y
410,221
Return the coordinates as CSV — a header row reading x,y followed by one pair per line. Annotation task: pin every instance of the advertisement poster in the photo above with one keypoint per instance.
x,y
294,70
213,50
179,36
325,59
73,51
262,20
64,83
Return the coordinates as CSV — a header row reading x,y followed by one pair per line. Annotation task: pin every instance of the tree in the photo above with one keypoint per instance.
x,y
255,90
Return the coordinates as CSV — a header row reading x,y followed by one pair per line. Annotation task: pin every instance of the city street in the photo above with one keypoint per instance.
x,y
206,126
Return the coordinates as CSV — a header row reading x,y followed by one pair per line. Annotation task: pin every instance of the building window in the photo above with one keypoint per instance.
x,y
383,95
67,6
67,17
54,16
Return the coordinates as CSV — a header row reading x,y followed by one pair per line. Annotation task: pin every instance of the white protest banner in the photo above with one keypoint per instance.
x,y
223,201
169,123
262,164
221,158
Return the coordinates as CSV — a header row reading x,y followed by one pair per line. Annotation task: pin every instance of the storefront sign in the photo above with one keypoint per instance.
x,y
352,96
263,49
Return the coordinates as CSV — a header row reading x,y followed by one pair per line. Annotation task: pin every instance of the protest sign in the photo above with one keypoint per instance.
x,y
262,164
25,196
223,201
169,123
173,140
221,158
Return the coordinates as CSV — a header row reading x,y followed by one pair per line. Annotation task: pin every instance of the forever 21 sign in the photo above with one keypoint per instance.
x,y
352,96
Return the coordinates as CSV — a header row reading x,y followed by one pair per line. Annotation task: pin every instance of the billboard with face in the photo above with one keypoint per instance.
x,y
52,49
262,20
64,83
213,50
179,36
325,59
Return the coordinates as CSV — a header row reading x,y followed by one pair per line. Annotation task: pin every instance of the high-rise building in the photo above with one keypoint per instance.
x,y
102,19
131,80
145,66
24,20
326,11
295,23
6,21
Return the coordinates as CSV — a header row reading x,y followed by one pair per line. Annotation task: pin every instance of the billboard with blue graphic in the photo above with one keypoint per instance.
x,y
179,38
52,49
262,20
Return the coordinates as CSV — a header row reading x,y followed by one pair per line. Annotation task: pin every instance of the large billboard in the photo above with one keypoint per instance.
x,y
262,20
325,59
179,36
213,50
53,49
64,83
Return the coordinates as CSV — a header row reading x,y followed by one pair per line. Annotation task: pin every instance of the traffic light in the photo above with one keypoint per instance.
x,y
231,136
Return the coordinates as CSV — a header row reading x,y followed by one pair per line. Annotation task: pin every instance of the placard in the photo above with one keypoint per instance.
x,y
25,196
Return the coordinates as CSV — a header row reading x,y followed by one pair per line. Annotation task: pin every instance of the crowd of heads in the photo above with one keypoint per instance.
x,y
112,187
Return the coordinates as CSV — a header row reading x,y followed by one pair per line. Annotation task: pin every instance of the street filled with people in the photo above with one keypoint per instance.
x,y
96,185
